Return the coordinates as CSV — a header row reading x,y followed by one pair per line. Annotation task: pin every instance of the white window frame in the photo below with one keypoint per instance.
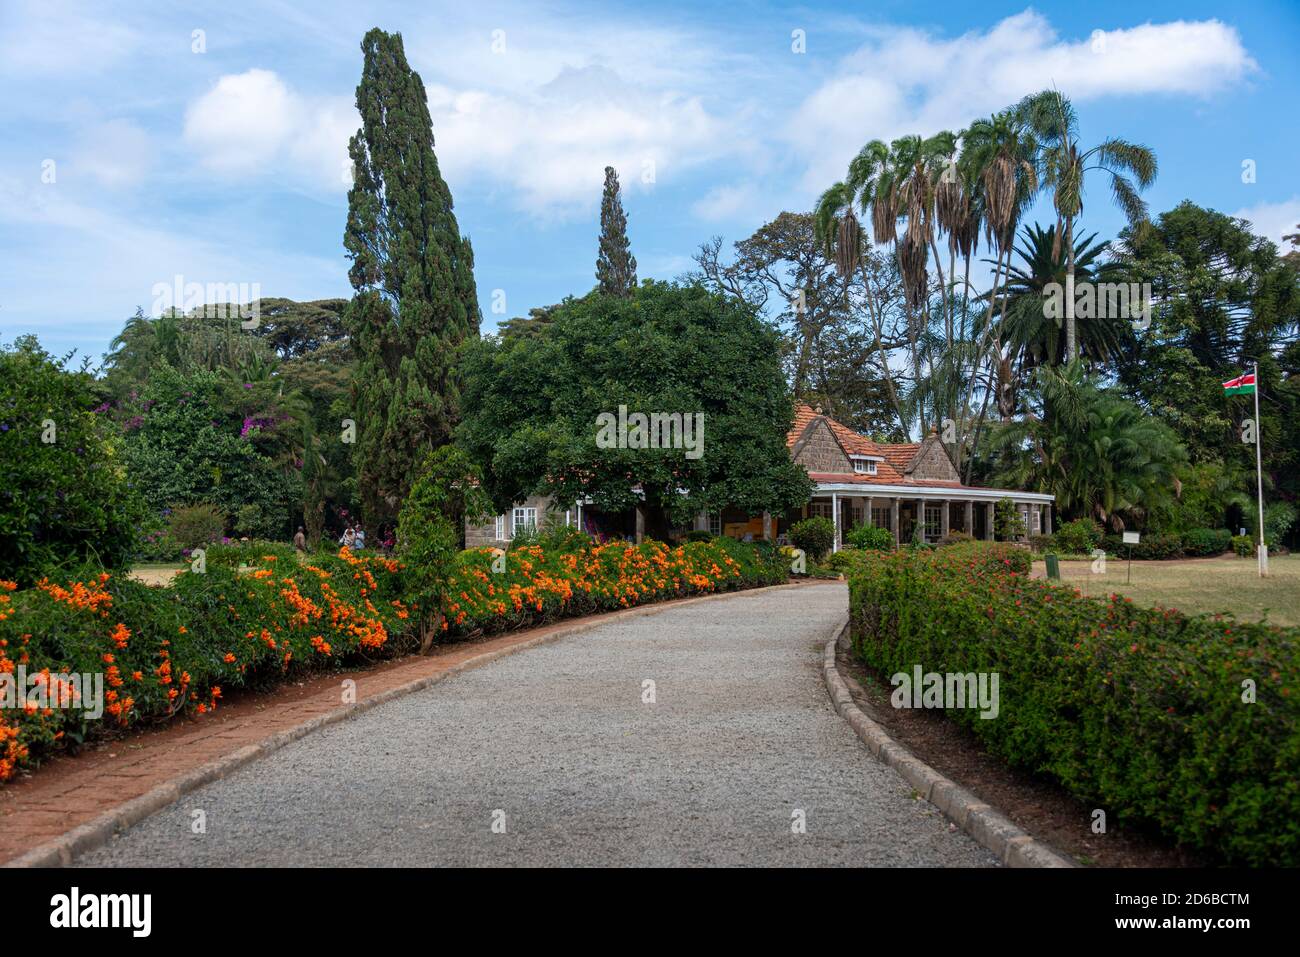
x,y
715,524
501,528
863,466
529,516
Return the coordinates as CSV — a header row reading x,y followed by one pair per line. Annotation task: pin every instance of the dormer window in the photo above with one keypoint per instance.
x,y
863,465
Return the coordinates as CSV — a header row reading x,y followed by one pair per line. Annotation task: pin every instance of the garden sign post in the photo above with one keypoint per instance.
x,y
1131,539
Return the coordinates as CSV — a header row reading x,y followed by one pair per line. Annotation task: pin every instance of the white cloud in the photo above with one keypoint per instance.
x,y
725,202
567,97
551,147
114,154
249,122
905,80
1274,220
538,122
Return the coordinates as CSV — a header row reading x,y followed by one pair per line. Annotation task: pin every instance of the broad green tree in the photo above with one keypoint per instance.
x,y
415,303
65,494
534,402
1224,298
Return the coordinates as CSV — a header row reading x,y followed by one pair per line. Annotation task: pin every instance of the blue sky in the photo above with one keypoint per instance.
x,y
227,165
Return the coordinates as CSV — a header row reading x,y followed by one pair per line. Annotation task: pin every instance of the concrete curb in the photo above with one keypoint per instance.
x,y
62,850
985,824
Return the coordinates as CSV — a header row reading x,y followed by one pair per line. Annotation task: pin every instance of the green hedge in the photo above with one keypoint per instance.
x,y
1206,541
1137,711
1079,537
990,556
252,553
1155,546
870,537
816,536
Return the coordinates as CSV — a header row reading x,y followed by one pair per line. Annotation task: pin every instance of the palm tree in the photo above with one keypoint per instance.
x,y
999,160
1064,165
143,343
1098,453
892,185
1032,338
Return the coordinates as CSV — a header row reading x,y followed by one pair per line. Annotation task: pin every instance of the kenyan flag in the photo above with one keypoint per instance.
x,y
1242,385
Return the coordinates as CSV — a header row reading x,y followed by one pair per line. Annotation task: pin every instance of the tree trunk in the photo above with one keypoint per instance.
x,y
1071,339
429,632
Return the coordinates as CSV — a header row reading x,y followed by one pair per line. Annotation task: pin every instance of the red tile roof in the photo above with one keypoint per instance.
x,y
900,456
892,471
889,472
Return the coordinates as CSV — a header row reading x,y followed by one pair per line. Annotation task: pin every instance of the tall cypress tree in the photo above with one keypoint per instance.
x,y
615,264
415,302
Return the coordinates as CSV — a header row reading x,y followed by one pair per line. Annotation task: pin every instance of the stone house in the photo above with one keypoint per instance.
x,y
858,481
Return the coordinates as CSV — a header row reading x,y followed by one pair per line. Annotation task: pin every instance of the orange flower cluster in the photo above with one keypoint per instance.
x,y
6,608
93,598
614,575
12,751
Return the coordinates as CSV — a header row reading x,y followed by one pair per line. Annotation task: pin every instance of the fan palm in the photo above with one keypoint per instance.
x,y
893,183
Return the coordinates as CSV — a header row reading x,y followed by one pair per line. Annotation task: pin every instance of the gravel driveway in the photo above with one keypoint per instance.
x,y
552,757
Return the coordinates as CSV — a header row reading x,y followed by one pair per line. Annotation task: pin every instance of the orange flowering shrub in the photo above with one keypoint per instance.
x,y
537,585
252,620
163,651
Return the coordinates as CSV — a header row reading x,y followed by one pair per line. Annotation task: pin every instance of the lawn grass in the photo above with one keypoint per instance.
x,y
156,573
1198,585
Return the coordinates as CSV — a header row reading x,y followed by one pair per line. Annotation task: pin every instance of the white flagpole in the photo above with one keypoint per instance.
x,y
1259,477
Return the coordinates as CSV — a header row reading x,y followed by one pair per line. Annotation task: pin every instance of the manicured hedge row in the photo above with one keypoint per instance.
x,y
1153,547
166,651
1138,711
1081,536
1206,541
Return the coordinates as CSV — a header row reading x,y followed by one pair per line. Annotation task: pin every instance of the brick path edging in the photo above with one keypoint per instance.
x,y
985,824
62,850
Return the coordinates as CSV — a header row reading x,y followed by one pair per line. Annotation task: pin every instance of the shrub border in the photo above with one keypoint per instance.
x,y
985,824
64,849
